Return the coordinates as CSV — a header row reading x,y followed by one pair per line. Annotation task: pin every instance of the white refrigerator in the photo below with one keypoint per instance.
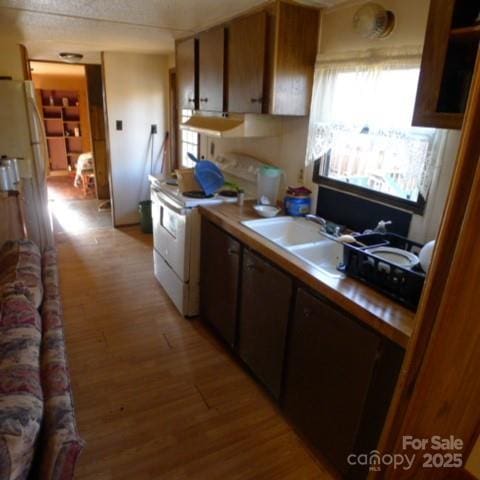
x,y
22,136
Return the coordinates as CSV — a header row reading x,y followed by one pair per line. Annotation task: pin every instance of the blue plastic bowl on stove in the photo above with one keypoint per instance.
x,y
209,177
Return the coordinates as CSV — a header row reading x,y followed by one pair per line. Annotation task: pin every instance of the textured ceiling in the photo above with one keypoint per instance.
x,y
47,27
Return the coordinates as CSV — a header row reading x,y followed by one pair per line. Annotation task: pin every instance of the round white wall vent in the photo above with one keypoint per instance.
x,y
373,21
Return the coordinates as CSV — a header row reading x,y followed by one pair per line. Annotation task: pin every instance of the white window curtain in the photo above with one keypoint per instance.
x,y
363,109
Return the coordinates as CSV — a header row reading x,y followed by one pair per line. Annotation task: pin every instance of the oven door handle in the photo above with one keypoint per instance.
x,y
168,203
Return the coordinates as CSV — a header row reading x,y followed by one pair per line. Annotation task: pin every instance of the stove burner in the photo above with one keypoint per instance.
x,y
228,193
196,194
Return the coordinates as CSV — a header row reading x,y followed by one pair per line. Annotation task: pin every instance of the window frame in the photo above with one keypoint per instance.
x,y
184,143
417,207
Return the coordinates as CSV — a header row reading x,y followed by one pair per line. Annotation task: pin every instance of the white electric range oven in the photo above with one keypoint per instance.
x,y
176,230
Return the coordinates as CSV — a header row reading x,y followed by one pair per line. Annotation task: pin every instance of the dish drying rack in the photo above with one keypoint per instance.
x,y
400,283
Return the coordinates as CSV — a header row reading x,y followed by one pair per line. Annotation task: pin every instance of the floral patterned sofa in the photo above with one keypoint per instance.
x,y
38,434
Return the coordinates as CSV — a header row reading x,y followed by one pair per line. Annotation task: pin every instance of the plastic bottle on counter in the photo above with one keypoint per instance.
x,y
240,198
297,201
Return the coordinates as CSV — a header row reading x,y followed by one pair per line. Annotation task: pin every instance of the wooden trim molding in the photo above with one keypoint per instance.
x,y
107,140
27,71
417,207
173,120
439,388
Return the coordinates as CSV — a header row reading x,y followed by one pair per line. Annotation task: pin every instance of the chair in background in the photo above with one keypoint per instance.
x,y
85,173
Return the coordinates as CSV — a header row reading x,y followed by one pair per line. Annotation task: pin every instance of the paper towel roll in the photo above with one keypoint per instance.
x,y
5,182
13,170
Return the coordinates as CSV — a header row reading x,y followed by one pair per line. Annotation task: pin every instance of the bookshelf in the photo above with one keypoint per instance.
x,y
62,122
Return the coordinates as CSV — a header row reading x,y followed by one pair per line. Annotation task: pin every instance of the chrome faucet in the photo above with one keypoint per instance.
x,y
316,219
380,228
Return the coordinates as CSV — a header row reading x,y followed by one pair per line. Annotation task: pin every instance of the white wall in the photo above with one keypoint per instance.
x,y
11,64
286,151
337,35
425,228
137,93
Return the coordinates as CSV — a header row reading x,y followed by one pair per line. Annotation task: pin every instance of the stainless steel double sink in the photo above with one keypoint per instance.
x,y
303,239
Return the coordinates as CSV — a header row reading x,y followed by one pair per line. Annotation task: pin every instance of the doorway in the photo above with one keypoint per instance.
x,y
77,178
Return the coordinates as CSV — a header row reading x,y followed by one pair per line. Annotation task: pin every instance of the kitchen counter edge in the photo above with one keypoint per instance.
x,y
383,315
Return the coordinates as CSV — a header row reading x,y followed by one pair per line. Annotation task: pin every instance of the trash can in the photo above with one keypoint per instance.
x,y
145,211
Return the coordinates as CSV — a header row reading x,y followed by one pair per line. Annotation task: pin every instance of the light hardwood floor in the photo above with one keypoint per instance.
x,y
156,396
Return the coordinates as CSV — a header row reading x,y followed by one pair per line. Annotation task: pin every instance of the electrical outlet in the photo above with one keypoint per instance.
x,y
153,129
300,176
119,125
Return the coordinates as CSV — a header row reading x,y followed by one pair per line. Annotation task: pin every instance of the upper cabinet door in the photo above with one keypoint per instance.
x,y
246,63
448,63
186,74
294,61
211,69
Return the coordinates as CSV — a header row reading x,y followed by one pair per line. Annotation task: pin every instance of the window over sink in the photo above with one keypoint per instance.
x,y
360,135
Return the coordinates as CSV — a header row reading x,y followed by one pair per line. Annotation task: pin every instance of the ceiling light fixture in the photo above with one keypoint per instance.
x,y
70,57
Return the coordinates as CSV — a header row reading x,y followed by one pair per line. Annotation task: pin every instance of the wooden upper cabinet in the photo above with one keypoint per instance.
x,y
211,64
246,63
271,60
296,40
258,63
448,62
186,69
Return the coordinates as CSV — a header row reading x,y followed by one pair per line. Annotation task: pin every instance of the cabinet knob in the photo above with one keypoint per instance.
x,y
307,312
232,251
205,100
253,267
256,100
191,100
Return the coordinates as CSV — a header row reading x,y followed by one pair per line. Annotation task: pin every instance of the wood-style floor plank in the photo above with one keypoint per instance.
x,y
157,397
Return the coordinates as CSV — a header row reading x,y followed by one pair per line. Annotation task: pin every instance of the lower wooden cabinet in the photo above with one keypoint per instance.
x,y
339,380
264,310
220,271
332,375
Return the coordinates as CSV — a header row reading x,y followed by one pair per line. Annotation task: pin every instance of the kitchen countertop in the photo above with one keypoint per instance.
x,y
374,309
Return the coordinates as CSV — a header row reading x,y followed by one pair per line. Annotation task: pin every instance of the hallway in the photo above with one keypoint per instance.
x,y
156,396
72,212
